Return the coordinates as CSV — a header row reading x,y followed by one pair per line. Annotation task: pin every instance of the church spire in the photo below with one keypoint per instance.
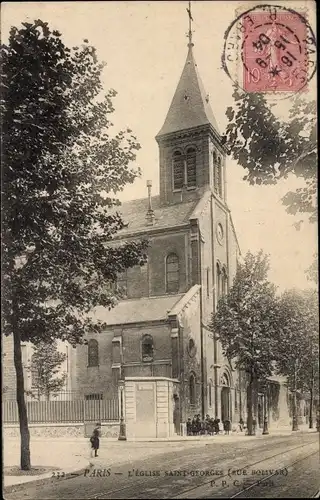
x,y
190,106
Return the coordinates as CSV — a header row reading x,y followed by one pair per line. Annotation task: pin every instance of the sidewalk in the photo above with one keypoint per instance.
x,y
74,454
56,454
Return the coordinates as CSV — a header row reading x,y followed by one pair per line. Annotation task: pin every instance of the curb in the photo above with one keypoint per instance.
x,y
43,478
82,440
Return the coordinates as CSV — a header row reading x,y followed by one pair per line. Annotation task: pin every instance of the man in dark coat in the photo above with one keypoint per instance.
x,y
189,427
227,426
95,439
241,424
216,425
198,424
195,425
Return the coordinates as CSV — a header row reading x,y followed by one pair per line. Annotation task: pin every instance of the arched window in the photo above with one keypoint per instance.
x,y
218,272
172,273
215,167
147,348
225,380
93,353
219,177
224,282
192,348
191,167
192,389
178,170
34,373
210,393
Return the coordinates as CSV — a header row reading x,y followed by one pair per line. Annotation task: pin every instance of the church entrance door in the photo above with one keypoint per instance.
x,y
225,404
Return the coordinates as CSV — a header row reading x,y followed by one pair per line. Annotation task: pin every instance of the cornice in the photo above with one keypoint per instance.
x,y
187,133
151,231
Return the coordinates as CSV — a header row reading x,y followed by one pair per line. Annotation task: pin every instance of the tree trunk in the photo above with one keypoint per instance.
x,y
311,403
294,403
240,396
249,406
25,463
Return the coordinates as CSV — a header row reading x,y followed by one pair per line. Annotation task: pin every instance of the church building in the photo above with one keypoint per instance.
x,y
157,350
157,343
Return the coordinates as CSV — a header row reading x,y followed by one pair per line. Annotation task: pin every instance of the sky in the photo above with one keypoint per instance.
x,y
144,45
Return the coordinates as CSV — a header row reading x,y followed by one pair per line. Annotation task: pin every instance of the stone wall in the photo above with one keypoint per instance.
x,y
95,379
160,247
108,430
101,379
189,319
150,279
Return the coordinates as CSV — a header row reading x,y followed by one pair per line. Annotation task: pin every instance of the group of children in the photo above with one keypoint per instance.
x,y
209,426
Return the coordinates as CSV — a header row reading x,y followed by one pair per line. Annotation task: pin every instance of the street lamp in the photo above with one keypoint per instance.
x,y
122,431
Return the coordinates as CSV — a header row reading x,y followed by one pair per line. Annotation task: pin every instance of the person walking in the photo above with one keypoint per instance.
x,y
241,424
227,426
216,426
95,439
254,426
189,427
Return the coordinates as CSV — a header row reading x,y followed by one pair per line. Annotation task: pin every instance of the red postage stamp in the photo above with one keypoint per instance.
x,y
274,53
270,49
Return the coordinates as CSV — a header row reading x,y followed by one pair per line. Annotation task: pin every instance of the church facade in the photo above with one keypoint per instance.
x,y
157,344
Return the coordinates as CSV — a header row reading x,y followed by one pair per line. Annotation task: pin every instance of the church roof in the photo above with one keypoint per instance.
x,y
190,105
138,310
134,212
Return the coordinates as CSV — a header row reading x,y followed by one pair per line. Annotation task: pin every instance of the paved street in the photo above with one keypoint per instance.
x,y
286,466
303,482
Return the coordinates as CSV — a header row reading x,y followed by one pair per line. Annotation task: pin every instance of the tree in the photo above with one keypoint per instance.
x,y
62,167
270,149
246,323
298,347
312,271
45,367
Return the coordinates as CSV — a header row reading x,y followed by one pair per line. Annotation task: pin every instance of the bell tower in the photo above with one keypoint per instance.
x,y
192,158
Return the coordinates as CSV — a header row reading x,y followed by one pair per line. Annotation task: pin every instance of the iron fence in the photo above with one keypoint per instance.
x,y
32,395
63,411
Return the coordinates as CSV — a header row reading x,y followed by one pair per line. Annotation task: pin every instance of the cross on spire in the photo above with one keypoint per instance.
x,y
189,35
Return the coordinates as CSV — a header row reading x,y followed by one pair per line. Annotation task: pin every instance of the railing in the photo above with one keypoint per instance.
x,y
63,411
148,370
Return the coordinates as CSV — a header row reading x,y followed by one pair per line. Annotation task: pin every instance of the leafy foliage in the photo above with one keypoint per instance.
x,y
246,318
62,168
298,347
312,271
46,364
271,149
